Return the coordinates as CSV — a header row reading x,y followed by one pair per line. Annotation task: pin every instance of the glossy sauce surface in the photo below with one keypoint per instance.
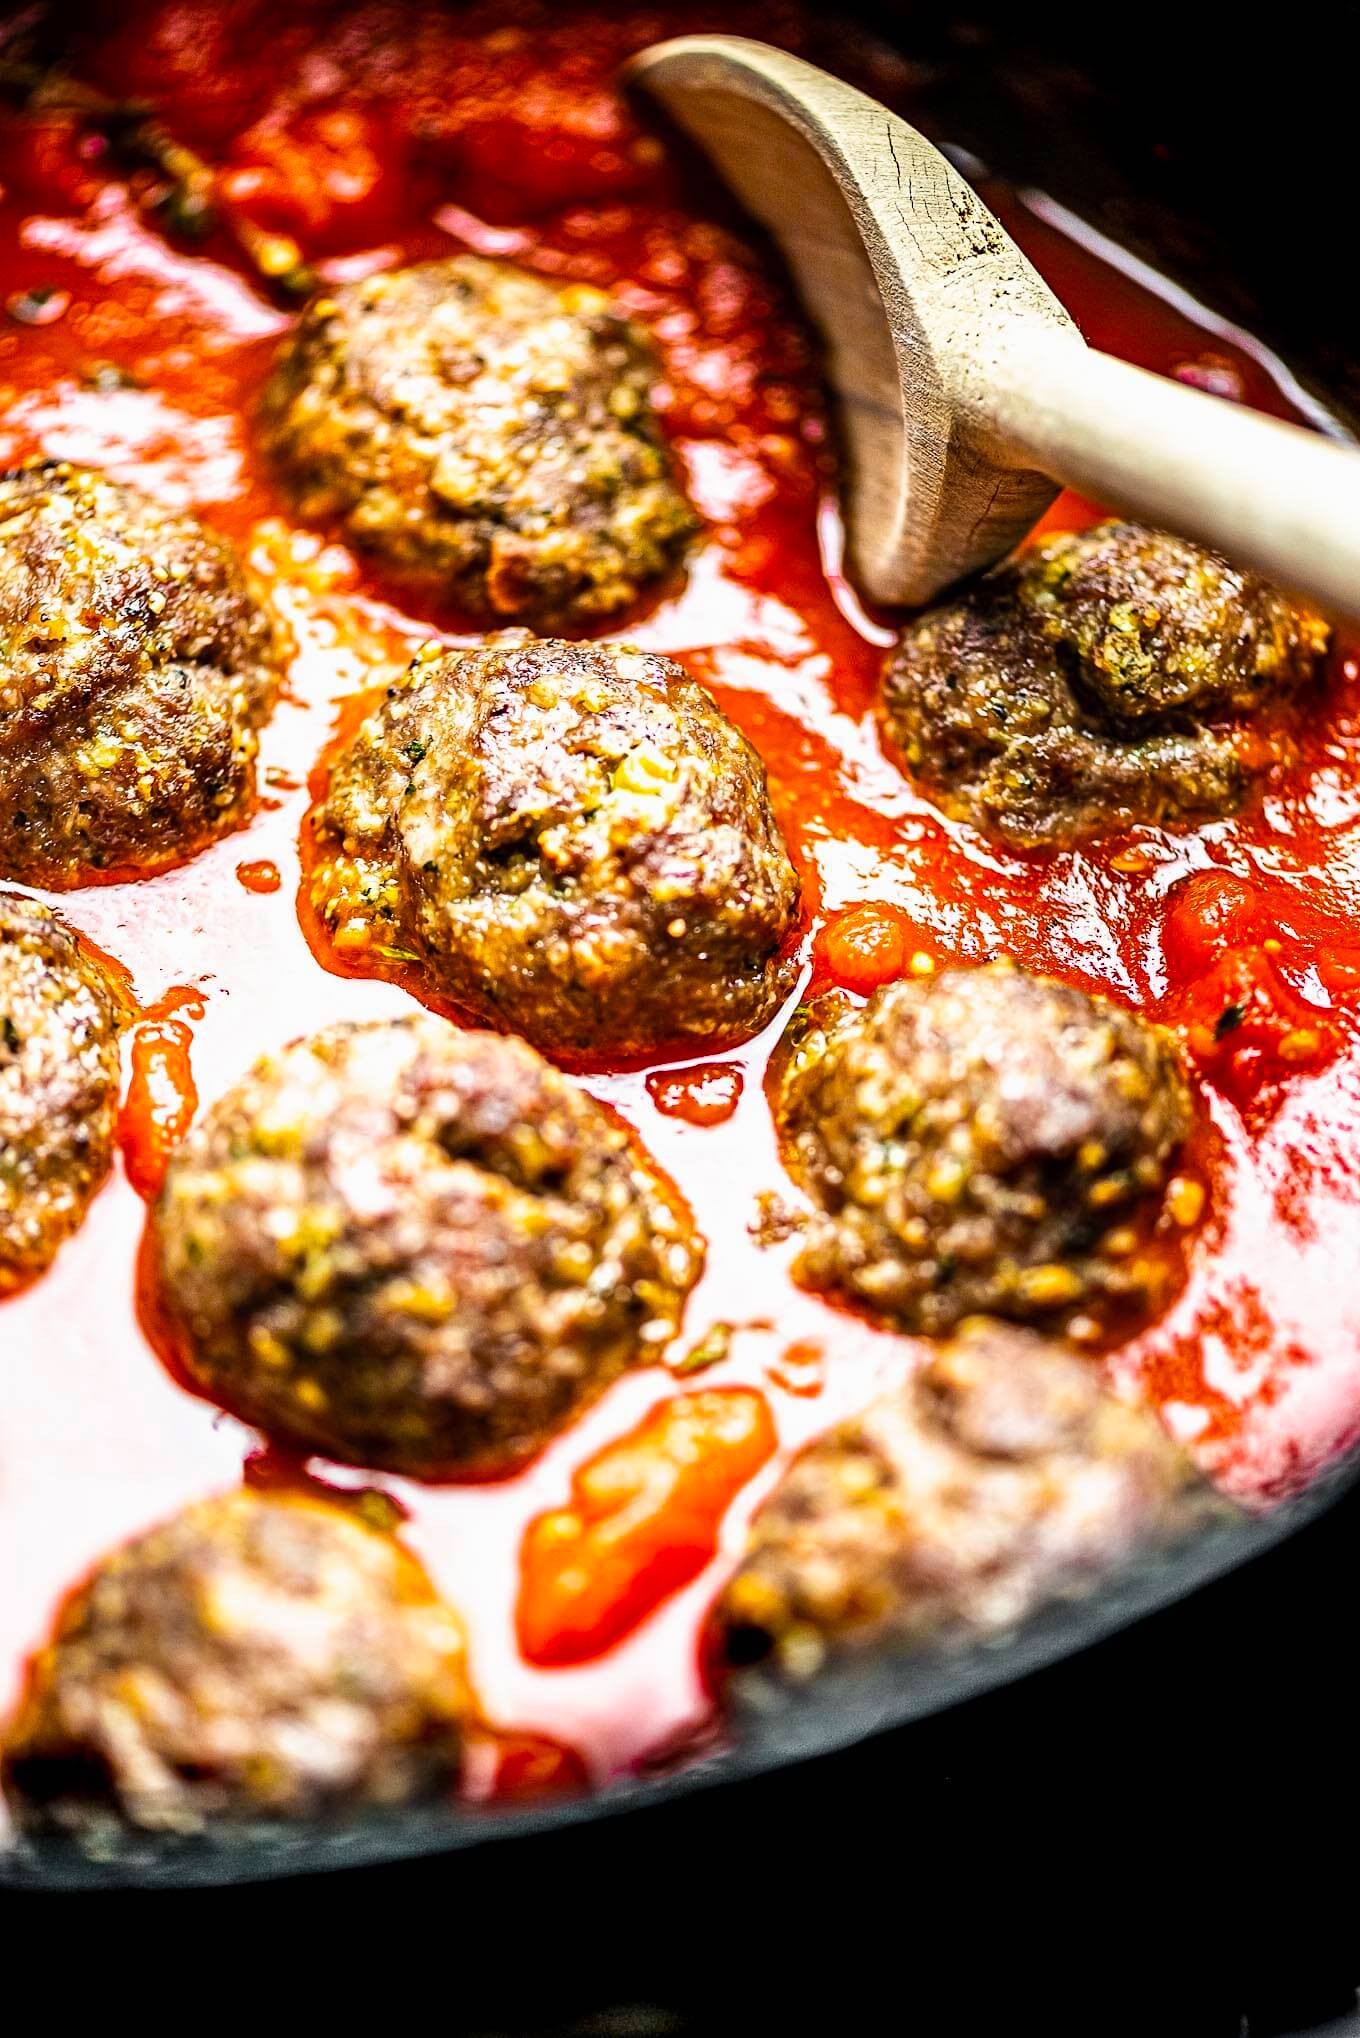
x,y
378,134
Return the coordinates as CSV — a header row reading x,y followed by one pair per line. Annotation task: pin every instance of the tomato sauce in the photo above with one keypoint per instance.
x,y
706,1094
643,1519
161,1097
259,876
358,136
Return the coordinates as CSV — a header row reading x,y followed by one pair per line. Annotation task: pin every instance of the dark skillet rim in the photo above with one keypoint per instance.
x,y
848,1703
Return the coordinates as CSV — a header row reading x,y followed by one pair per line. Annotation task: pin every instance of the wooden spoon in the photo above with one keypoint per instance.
x,y
966,392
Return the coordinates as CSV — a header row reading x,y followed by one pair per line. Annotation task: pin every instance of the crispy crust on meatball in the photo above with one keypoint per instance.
x,y
414,1248
485,431
1102,678
573,839
136,667
984,1141
1002,1476
60,1015
260,1656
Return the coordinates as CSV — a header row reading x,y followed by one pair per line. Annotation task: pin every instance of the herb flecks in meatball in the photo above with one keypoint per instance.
x,y
136,667
486,432
984,1141
260,1656
59,1020
575,842
1002,1476
410,1247
1100,679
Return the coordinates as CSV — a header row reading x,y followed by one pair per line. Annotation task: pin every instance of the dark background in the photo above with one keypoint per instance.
x,y
1159,1835
1220,142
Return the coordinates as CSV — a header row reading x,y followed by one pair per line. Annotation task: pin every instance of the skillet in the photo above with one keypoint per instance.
x,y
869,1699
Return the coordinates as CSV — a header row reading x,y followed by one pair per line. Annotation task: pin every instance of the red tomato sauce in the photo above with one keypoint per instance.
x,y
365,135
706,1094
161,1096
643,1519
260,876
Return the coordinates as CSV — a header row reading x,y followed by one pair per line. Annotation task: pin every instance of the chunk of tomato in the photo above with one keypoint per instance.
x,y
643,1520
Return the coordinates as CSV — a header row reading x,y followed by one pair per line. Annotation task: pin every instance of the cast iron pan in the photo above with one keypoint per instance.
x,y
1046,102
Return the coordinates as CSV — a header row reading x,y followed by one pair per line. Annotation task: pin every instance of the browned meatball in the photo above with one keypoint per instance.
x,y
1002,1476
416,1248
983,1141
259,1656
1095,680
135,669
485,431
575,842
59,1019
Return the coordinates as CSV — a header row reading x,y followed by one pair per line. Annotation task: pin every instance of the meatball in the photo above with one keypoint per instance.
x,y
483,431
575,842
984,1141
1097,680
415,1248
259,1656
59,1021
1004,1475
137,668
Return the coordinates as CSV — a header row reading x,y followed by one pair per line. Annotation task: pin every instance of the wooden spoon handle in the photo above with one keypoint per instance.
x,y
1270,495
